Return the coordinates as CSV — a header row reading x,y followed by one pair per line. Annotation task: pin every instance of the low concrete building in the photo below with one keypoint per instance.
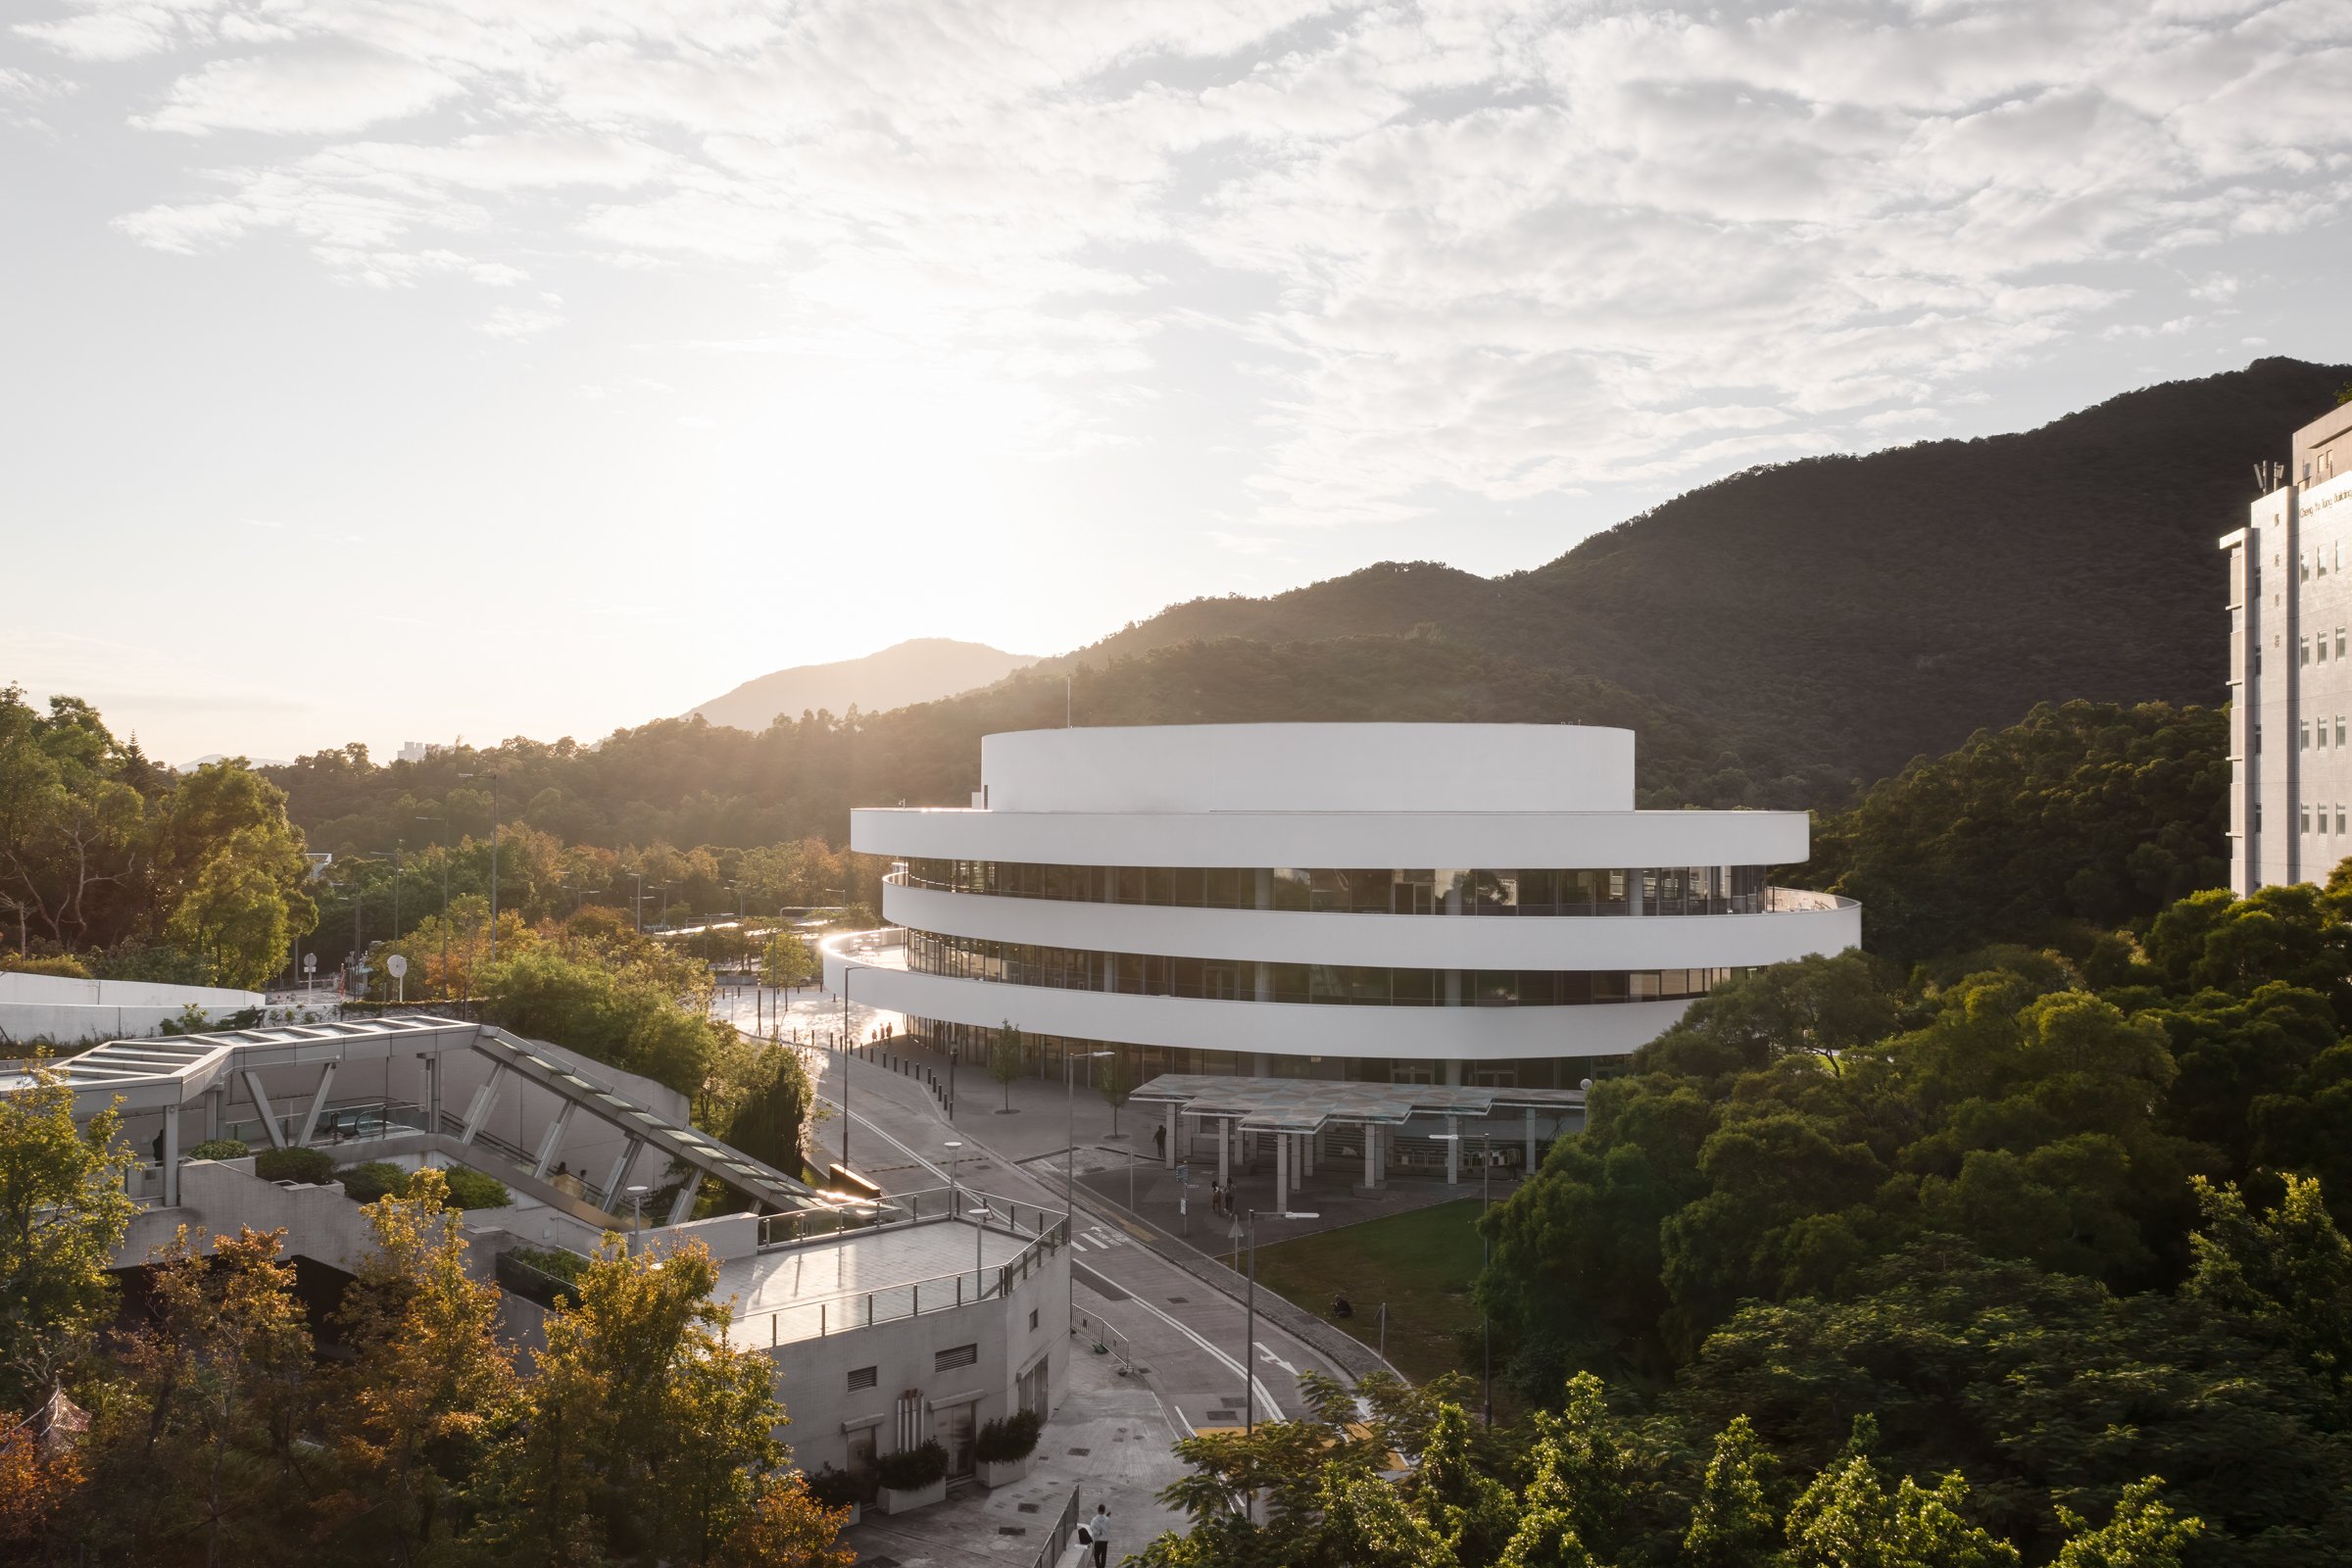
x,y
62,1011
894,1322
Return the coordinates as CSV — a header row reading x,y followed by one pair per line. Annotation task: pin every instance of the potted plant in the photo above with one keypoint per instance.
x,y
912,1478
1005,1449
838,1489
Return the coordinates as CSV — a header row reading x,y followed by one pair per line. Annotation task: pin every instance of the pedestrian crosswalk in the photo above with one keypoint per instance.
x,y
1096,1238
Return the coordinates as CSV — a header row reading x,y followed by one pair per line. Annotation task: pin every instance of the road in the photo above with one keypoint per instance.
x,y
1186,1338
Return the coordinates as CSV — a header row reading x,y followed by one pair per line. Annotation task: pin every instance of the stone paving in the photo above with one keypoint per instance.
x,y
1110,1439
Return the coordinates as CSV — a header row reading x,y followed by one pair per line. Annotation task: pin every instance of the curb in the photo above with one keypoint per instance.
x,y
1344,1351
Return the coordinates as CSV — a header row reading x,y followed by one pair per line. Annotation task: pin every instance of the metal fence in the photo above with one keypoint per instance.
x,y
1086,1326
929,1204
944,1293
1058,1539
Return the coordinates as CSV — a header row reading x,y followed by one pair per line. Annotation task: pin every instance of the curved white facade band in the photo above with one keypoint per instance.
x,y
1370,900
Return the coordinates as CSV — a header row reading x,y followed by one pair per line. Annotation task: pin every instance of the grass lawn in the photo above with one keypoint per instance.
x,y
1421,1263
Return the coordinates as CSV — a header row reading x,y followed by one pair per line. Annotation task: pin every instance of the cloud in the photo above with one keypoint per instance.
x,y
1499,249
309,93
518,321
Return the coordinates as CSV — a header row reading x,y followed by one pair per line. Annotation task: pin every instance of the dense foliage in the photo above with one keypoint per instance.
x,y
139,872
2079,818
218,1435
1590,1487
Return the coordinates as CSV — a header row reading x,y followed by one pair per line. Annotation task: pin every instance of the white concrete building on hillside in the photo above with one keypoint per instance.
x,y
1446,904
2290,681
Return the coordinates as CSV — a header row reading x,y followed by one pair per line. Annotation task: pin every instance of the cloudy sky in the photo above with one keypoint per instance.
x,y
404,369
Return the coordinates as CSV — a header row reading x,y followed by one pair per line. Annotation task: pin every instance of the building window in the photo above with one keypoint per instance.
x,y
860,1377
1033,1317
950,1360
2340,642
2339,816
2302,740
2306,819
2302,651
2339,729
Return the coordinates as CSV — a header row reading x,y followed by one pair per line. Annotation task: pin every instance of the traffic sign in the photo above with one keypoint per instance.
x,y
398,965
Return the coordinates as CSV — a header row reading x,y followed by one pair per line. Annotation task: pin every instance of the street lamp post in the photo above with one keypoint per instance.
x,y
1244,1234
443,819
492,775
846,969
1486,1319
1069,1167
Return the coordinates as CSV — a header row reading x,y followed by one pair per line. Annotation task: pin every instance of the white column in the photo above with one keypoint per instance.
x,y
310,1120
1224,1153
1371,1155
1453,1150
552,1139
1306,1154
261,1107
1168,1157
1453,1072
621,1174
170,1157
683,1210
485,1099
1282,1172
1529,1167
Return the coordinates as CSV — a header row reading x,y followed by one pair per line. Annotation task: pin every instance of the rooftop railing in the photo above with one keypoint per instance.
x,y
942,1293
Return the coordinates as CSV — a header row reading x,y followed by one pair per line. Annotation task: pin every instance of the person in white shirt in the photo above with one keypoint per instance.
x,y
1099,1527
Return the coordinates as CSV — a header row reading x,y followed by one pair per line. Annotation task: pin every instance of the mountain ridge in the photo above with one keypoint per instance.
x,y
921,669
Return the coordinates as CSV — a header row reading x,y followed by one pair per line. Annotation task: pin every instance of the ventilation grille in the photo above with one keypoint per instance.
x,y
959,1355
860,1377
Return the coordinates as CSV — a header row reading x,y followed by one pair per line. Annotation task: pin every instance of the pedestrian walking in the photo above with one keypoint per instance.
x,y
1099,1527
1216,1198
1159,1141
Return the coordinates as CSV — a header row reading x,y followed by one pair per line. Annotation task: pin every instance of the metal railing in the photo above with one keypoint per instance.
x,y
1086,1326
927,1206
1058,1539
857,1310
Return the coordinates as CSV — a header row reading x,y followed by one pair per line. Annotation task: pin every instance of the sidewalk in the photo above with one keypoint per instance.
x,y
1108,1438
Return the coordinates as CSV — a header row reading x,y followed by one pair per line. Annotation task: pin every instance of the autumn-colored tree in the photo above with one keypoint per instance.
x,y
784,1527
417,1413
644,1430
197,1461
62,1213
38,1478
1004,1059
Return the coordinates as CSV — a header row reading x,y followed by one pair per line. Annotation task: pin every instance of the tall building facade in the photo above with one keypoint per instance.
x,y
1438,904
2291,685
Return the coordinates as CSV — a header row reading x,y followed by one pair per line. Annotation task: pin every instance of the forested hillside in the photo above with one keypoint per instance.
x,y
1781,638
1862,611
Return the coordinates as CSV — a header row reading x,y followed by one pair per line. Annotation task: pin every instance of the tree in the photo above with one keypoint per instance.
x,y
2143,1534
1110,1082
2289,1271
415,1414
644,1430
1731,1524
1848,1519
238,913
785,962
64,1212
784,1527
771,1119
201,1447
1004,1055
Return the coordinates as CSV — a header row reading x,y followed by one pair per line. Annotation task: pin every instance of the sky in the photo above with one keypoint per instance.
x,y
391,370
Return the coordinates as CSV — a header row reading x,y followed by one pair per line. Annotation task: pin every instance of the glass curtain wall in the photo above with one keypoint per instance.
x,y
1145,974
1661,890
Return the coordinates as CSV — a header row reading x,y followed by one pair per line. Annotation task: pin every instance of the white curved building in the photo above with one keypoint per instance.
x,y
1472,904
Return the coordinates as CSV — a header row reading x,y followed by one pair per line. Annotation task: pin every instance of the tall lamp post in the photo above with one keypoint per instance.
x,y
846,969
1486,1320
1069,1166
1244,1234
443,819
492,775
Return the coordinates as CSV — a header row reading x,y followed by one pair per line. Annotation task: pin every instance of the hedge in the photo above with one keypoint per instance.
x,y
912,1469
219,1149
364,1184
1007,1438
315,1166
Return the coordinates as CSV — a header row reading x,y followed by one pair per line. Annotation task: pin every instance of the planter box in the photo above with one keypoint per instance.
x,y
892,1500
995,1473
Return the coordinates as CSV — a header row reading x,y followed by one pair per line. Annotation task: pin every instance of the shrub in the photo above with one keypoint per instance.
x,y
912,1469
219,1149
471,1188
312,1166
364,1184
835,1489
1007,1438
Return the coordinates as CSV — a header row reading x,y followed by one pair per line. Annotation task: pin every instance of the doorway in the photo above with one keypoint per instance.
x,y
952,1424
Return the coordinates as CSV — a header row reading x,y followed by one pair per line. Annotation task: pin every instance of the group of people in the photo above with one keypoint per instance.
x,y
1220,1199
